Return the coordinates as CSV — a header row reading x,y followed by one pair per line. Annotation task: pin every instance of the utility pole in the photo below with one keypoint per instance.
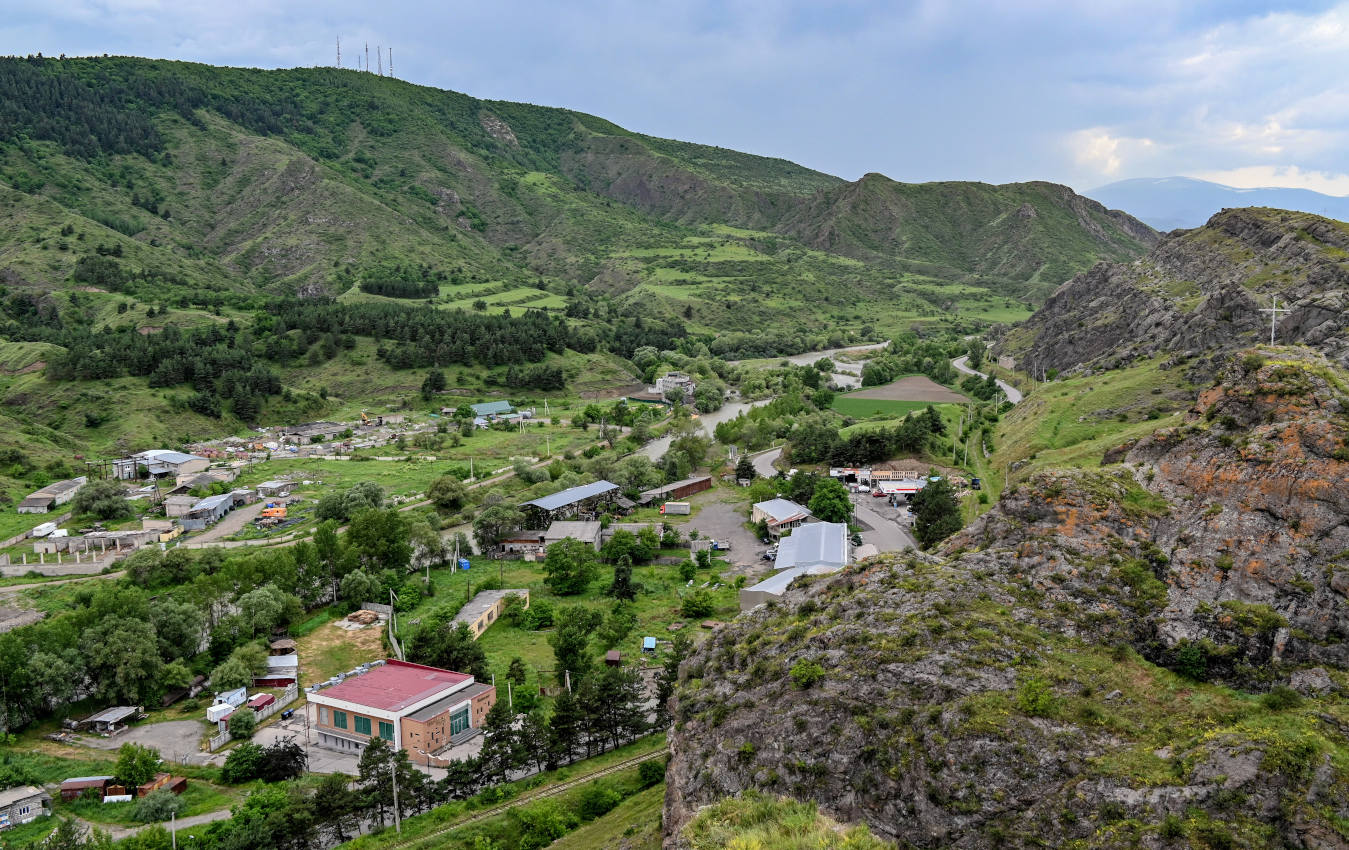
x,y
1274,310
393,778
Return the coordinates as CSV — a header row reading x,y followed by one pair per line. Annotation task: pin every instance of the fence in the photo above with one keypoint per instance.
x,y
291,694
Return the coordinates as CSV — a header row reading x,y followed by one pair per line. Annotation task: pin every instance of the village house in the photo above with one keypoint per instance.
x,y
52,496
779,515
23,804
486,607
416,708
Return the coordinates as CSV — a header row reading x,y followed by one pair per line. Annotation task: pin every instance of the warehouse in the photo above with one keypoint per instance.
x,y
815,549
51,496
583,502
677,490
158,463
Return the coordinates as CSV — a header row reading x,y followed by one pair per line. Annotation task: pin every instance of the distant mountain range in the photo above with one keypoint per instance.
x,y
1167,203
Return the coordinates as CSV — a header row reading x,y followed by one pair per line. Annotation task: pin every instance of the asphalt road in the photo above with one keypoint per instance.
x,y
763,462
887,533
962,365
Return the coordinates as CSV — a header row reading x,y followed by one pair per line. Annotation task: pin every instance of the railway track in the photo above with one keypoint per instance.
x,y
530,798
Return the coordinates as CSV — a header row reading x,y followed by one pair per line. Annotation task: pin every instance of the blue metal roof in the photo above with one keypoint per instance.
x,y
571,495
648,643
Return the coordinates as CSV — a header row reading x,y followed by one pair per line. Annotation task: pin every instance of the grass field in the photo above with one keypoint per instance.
x,y
865,408
1073,422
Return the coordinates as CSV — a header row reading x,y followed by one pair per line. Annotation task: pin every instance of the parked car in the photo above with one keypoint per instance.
x,y
878,494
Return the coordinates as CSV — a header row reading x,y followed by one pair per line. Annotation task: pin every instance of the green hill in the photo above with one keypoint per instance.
x,y
215,236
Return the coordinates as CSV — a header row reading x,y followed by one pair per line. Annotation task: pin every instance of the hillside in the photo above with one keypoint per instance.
x,y
313,180
1150,654
1167,203
1199,294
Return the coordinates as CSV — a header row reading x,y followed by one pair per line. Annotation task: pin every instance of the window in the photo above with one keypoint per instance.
x,y
339,719
25,810
458,722
386,730
323,715
362,725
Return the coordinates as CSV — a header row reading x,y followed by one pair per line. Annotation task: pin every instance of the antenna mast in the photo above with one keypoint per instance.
x,y
379,59
339,51
390,61
367,56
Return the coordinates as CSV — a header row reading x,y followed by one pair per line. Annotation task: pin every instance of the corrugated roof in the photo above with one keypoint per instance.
x,y
816,544
112,715
572,495
210,503
586,530
167,456
395,685
490,408
782,510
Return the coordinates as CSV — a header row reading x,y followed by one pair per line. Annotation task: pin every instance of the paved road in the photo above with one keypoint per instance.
x,y
886,533
962,365
763,462
231,523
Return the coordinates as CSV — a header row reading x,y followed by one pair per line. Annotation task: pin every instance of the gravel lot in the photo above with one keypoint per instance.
x,y
176,740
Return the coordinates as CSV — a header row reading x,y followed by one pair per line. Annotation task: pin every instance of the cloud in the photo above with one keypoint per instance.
x,y
1099,150
1288,176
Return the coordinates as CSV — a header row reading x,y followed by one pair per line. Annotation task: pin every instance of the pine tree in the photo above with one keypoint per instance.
x,y
564,729
744,469
500,752
936,514
622,585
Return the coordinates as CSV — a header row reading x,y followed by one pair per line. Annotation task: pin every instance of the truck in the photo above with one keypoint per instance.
x,y
721,545
676,508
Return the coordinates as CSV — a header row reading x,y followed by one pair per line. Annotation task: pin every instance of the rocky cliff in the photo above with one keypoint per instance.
x,y
1149,654
1199,294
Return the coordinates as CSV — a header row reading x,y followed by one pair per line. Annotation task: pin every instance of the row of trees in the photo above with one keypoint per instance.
x,y
816,440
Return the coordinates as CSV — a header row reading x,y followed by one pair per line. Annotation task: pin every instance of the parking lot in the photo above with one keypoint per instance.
x,y
726,521
176,741
323,760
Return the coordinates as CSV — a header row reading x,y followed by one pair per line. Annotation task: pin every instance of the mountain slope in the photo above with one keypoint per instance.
x,y
1082,666
1200,293
1167,203
305,180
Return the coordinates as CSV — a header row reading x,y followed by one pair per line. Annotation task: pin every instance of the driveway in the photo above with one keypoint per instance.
x,y
176,741
886,531
232,522
724,521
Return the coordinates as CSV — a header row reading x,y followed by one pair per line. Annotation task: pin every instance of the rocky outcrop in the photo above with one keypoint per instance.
x,y
1081,666
1199,294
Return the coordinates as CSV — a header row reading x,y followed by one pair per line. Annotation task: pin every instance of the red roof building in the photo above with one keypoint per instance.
x,y
412,706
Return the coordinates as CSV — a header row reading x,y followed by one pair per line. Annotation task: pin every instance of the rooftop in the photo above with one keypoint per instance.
x,y
449,701
58,488
782,510
490,408
777,584
395,685
166,456
668,488
484,600
10,796
572,495
210,503
818,544
113,715
575,529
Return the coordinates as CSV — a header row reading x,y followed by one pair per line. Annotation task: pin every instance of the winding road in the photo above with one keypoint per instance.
x,y
962,365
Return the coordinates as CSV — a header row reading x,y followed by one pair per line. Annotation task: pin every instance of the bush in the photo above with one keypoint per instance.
x,y
1034,697
242,764
806,673
697,604
597,800
242,723
1281,697
651,773
157,806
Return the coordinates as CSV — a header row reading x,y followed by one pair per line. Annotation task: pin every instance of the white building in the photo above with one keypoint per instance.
x,y
816,549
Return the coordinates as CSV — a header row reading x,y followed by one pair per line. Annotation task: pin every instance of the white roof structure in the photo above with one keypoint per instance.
x,y
167,456
572,495
782,510
819,544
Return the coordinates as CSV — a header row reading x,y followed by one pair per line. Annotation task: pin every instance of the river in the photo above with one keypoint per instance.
x,y
707,423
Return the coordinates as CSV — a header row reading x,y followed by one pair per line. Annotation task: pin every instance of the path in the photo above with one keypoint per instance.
x,y
120,832
551,791
231,523
962,365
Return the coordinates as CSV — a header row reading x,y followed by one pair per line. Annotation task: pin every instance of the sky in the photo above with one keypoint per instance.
x,y
1079,93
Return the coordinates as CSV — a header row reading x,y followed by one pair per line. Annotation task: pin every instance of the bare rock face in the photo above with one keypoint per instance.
x,y
1205,290
1068,671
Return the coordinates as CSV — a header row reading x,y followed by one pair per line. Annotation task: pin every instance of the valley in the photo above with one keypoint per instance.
x,y
403,469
